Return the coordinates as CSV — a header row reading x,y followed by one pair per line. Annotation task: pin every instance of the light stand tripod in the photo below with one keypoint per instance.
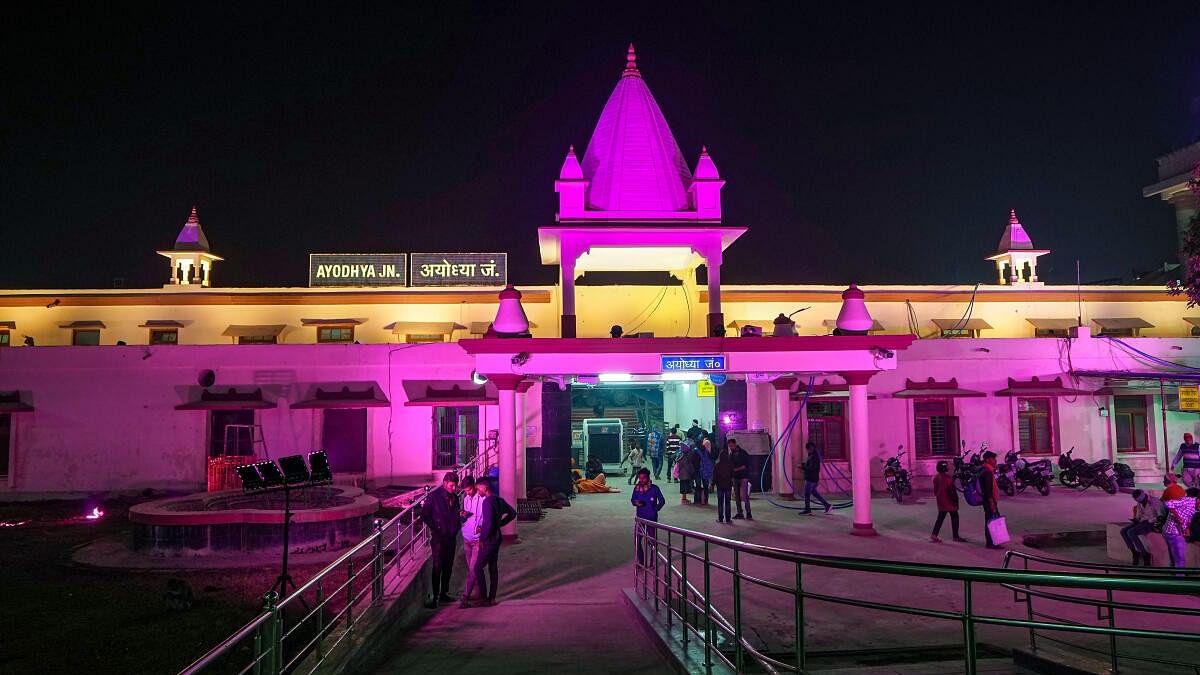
x,y
284,579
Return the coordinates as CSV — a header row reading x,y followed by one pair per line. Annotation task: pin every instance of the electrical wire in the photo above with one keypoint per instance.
x,y
688,303
785,438
662,296
1150,357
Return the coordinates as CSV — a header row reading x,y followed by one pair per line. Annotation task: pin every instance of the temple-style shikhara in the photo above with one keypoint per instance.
x,y
398,377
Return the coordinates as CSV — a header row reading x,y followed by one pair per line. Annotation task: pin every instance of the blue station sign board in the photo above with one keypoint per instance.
x,y
696,363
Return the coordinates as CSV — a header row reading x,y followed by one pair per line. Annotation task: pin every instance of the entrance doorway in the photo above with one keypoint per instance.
x,y
237,443
344,439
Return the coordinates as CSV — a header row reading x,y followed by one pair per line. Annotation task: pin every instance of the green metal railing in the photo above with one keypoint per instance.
x,y
667,578
304,630
1106,607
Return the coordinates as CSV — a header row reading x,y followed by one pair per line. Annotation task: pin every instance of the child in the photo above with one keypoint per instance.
x,y
635,459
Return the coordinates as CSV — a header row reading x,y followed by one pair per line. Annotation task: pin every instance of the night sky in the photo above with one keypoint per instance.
x,y
870,144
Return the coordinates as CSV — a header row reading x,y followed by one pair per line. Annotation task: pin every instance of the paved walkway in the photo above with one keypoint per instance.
x,y
560,592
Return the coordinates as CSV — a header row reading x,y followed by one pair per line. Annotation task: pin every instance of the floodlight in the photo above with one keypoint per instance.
x,y
272,476
251,481
294,469
319,463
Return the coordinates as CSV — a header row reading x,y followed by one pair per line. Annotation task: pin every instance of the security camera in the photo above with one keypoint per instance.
x,y
882,353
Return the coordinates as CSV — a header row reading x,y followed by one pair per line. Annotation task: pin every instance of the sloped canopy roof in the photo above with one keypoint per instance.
x,y
1015,237
632,161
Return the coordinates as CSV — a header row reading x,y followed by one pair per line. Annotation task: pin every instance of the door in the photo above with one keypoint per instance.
x,y
344,439
239,441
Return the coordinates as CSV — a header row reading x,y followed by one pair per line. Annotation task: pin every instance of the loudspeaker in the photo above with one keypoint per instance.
x,y
207,378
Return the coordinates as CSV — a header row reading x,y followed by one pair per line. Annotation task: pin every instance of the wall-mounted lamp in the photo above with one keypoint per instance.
x,y
55,303
477,378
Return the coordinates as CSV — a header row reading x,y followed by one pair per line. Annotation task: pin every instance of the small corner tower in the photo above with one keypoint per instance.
x,y
706,188
1016,258
191,260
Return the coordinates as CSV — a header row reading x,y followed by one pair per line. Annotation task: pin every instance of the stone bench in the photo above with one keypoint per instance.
x,y
1154,543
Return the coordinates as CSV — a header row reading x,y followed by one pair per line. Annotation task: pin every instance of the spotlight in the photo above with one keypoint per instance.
x,y
616,331
294,469
271,475
477,378
29,341
882,353
55,303
251,480
319,463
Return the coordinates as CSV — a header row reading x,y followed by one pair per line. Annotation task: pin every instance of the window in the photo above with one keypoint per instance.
x,y
257,340
419,339
5,444
455,435
225,441
326,334
959,333
85,337
5,338
1129,415
1051,332
164,336
1119,332
1035,425
827,428
935,427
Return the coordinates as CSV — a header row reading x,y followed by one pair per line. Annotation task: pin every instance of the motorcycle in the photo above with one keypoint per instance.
x,y
1016,474
967,465
896,476
1078,473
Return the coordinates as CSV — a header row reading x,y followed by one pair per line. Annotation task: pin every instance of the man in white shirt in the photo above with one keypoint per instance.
x,y
472,512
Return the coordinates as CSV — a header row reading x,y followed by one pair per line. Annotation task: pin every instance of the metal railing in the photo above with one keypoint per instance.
x,y
305,629
1106,607
675,570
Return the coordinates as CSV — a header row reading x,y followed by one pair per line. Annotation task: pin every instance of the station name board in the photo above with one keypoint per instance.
x,y
699,363
458,269
357,269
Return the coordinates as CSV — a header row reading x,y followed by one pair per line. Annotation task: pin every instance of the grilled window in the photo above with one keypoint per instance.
x,y
1035,425
335,334
85,337
455,435
935,428
827,427
257,340
169,336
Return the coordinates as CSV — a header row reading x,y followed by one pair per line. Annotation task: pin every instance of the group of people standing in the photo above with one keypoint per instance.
x,y
476,514
1171,516
700,468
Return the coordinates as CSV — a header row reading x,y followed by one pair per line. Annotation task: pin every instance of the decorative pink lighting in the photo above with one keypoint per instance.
x,y
96,514
13,523
728,419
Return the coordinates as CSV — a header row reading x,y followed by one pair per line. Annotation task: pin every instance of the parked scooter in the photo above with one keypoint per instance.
x,y
1016,474
1077,473
896,476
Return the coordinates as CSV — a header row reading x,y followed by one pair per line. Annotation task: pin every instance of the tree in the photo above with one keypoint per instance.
x,y
1190,285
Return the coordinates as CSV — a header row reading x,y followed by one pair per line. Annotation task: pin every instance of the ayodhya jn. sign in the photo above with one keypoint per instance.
x,y
694,363
357,269
458,269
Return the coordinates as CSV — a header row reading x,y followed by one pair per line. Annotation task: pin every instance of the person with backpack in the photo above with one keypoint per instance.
x,y
947,502
1181,511
1147,512
990,493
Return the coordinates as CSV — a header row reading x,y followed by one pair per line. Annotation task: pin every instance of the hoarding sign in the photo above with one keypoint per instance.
x,y
459,269
357,269
1189,397
706,389
700,363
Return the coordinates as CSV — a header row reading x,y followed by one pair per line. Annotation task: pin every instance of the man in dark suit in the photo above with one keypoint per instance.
x,y
440,513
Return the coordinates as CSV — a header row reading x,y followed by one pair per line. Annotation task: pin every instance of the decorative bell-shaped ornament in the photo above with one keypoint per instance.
x,y
510,316
854,319
784,326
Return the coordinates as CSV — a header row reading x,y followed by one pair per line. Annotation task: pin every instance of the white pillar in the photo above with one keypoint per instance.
x,y
508,446
782,470
567,268
860,452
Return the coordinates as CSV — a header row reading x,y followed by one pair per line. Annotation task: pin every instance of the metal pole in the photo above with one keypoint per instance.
x,y
1029,611
350,593
1112,637
377,563
799,621
968,630
683,588
1162,397
271,635
739,656
708,636
321,618
668,586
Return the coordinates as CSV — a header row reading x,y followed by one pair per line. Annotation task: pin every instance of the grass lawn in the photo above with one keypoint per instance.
x,y
57,617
